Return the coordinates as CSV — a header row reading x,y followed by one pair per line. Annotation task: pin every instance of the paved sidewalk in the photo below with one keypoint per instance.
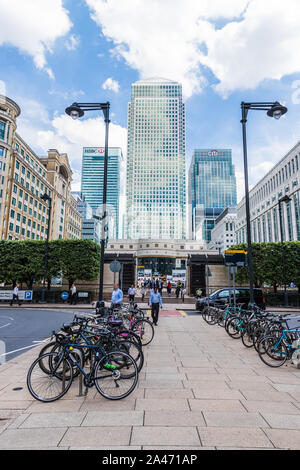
x,y
199,389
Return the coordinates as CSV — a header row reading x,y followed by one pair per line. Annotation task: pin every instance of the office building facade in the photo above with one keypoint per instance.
x,y
91,227
223,235
212,188
156,191
282,180
24,178
92,177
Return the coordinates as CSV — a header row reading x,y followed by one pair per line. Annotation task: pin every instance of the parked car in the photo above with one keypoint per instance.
x,y
224,296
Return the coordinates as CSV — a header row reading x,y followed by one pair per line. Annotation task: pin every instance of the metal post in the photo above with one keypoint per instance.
x,y
233,284
247,204
106,120
283,256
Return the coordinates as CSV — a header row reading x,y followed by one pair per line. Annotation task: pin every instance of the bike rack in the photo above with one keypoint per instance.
x,y
80,385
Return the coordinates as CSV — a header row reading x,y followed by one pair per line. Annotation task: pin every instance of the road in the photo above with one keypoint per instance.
x,y
20,329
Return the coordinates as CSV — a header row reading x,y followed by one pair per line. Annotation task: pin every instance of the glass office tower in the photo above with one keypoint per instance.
x,y
212,188
92,183
155,190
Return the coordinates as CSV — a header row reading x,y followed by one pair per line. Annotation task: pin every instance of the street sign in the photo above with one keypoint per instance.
x,y
23,294
64,295
235,258
115,266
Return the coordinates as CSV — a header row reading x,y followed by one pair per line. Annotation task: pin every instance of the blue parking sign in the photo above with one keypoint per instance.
x,y
28,295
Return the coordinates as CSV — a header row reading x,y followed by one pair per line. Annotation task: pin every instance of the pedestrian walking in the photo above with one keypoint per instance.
x,y
183,291
143,293
73,297
117,296
169,288
15,295
178,287
155,301
131,293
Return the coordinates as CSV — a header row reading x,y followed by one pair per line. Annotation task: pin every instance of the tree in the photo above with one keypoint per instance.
x,y
78,259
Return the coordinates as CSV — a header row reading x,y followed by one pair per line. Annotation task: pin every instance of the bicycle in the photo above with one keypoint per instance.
x,y
106,373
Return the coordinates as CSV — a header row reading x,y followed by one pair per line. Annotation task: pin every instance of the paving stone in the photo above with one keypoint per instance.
x,y
234,437
113,418
217,394
31,438
171,436
230,419
149,404
96,436
53,420
108,405
169,393
216,405
169,418
54,407
266,396
284,439
270,407
282,421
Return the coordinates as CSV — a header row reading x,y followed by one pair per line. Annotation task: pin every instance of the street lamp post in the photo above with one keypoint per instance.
x,y
275,110
285,199
77,110
48,199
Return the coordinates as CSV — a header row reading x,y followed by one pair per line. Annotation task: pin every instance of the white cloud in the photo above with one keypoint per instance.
x,y
264,45
66,135
178,40
111,84
33,26
72,42
2,88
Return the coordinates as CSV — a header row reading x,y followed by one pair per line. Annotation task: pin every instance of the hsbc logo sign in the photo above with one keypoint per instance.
x,y
94,150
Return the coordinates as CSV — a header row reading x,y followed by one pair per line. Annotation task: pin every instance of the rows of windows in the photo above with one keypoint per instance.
x,y
267,227
275,181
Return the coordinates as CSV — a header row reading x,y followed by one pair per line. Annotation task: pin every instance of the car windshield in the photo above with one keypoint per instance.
x,y
214,293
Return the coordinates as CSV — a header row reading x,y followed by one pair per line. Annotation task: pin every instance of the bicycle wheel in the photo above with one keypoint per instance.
x,y
234,327
272,351
52,385
131,348
127,334
116,375
144,329
209,315
247,339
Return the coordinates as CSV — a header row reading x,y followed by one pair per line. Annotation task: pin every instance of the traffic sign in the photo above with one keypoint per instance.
x,y
115,266
64,295
235,258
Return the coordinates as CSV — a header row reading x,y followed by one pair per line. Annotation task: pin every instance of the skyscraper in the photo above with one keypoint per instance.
x,y
155,190
92,183
212,188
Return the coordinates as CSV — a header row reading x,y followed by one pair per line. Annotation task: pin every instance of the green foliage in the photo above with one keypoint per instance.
x,y
23,261
267,263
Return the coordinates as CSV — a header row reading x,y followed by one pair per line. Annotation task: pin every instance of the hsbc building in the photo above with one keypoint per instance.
x,y
92,176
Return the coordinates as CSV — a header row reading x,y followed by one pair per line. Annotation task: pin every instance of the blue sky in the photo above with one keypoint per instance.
x,y
54,52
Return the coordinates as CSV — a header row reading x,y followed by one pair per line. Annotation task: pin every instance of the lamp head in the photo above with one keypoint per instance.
x,y
285,198
45,197
74,111
277,110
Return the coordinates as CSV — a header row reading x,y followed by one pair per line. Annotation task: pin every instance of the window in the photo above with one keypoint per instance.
x,y
2,130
